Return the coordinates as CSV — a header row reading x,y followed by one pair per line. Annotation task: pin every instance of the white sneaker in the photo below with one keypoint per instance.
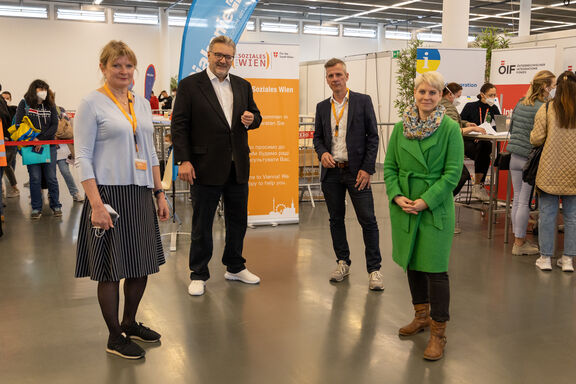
x,y
12,191
196,287
78,197
342,271
525,249
480,193
376,281
544,263
244,276
565,262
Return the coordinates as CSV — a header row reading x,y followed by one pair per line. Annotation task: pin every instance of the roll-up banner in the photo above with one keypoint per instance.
x,y
464,66
569,59
206,20
273,71
149,81
512,71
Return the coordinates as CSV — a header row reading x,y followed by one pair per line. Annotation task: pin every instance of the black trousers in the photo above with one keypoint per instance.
x,y
479,152
205,200
336,182
433,288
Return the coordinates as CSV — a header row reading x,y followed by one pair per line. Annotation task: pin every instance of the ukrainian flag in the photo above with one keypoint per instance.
x,y
427,60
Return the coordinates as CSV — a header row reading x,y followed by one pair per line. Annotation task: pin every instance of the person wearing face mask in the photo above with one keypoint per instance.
x,y
541,89
478,112
38,104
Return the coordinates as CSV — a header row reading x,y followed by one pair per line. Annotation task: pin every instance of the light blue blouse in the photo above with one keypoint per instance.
x,y
104,143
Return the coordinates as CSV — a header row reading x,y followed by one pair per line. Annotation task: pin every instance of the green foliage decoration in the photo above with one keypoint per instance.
x,y
491,38
173,83
405,76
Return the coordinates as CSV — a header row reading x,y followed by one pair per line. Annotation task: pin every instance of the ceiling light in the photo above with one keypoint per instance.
x,y
97,2
398,35
21,11
278,27
77,14
359,32
135,18
321,30
376,10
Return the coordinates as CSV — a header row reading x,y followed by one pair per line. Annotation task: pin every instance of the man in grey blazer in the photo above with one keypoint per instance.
x,y
213,113
346,141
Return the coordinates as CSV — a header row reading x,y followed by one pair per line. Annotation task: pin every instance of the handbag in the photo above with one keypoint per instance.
x,y
503,161
530,169
29,156
64,131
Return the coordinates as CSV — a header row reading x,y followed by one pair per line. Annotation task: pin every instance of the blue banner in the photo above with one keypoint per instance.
x,y
206,20
149,81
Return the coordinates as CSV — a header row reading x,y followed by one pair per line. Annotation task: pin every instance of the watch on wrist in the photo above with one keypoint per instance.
x,y
158,192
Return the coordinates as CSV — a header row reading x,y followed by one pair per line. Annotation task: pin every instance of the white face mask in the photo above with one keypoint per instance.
x,y
42,95
490,101
552,93
457,101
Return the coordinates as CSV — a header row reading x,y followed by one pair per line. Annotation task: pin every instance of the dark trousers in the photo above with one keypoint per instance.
x,y
433,288
205,200
334,186
479,152
11,159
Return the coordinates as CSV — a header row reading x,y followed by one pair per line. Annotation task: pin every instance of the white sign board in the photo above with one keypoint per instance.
x,y
463,66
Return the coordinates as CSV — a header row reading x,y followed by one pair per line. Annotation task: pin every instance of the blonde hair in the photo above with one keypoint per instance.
x,y
538,85
115,49
435,79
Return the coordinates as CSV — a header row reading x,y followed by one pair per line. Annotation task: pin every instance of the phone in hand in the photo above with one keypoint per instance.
x,y
38,150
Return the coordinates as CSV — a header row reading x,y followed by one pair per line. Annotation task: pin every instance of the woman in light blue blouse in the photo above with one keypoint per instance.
x,y
119,169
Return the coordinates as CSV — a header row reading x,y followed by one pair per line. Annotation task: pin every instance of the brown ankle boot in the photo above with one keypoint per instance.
x,y
421,321
437,342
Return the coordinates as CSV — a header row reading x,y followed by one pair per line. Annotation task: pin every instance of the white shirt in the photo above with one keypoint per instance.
x,y
224,93
339,150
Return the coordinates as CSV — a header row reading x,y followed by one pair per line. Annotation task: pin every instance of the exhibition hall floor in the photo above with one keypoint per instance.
x,y
511,323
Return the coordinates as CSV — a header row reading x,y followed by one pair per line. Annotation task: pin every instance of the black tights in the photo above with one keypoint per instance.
x,y
108,297
433,288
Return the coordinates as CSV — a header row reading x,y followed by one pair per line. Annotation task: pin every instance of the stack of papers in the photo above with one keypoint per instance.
x,y
489,130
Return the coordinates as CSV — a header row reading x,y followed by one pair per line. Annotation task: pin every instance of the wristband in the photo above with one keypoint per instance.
x,y
158,192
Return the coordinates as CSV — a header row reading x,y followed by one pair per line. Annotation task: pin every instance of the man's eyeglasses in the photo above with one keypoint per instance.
x,y
219,56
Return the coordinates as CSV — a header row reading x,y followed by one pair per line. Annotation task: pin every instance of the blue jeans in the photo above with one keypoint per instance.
x,y
65,171
334,186
35,171
522,194
547,223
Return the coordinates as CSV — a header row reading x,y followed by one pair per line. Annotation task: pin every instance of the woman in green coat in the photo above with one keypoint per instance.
x,y
423,165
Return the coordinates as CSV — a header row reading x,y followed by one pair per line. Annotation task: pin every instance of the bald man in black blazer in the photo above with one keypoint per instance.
x,y
212,115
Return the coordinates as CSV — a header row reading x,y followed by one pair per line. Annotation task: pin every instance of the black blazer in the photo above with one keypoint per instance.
x,y
361,133
201,134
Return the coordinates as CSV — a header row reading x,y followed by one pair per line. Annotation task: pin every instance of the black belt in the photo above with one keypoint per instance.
x,y
342,164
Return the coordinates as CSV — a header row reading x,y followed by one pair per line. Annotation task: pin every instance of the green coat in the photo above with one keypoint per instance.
x,y
428,169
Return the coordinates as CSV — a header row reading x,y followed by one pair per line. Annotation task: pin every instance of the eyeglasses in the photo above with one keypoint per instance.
x,y
219,56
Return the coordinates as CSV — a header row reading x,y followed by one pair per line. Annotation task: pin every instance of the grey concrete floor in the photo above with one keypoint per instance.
x,y
511,323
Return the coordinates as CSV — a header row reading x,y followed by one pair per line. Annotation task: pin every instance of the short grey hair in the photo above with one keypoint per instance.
x,y
434,79
222,39
333,62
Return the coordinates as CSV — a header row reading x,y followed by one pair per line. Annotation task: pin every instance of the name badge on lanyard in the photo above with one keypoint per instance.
x,y
139,164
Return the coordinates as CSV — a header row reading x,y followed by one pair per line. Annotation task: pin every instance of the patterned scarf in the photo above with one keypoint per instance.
x,y
414,128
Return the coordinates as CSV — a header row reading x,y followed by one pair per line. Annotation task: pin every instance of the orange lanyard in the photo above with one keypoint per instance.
x,y
337,116
132,117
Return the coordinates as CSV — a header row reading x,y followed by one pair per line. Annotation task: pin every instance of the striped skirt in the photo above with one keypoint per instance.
x,y
133,248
